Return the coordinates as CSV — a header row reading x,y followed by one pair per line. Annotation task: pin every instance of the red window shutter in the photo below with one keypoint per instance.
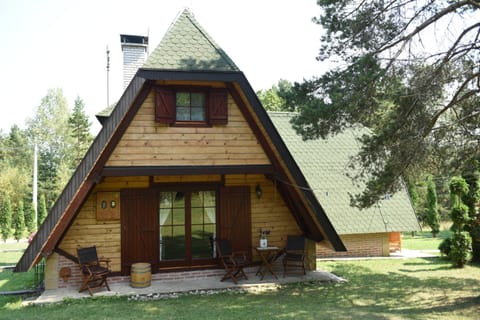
x,y
165,109
218,106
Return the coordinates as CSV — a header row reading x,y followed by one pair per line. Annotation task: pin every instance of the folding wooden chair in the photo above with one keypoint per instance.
x,y
233,262
94,270
294,254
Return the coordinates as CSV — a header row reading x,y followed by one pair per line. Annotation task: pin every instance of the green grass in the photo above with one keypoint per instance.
x,y
10,253
10,281
417,288
423,240
376,289
13,245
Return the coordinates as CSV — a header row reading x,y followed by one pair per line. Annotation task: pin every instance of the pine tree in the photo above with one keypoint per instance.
x,y
29,216
471,199
5,217
42,209
80,130
432,215
459,245
18,223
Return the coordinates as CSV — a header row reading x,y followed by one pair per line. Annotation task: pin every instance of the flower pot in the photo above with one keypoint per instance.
x,y
263,243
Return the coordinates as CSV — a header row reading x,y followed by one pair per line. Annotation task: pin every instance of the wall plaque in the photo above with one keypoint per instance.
x,y
108,206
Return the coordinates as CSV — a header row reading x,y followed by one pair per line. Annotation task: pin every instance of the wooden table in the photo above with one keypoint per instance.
x,y
267,255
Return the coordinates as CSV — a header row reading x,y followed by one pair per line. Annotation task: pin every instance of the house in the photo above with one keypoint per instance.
x,y
326,164
187,155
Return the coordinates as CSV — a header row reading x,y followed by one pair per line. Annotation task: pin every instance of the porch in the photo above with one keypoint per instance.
x,y
176,283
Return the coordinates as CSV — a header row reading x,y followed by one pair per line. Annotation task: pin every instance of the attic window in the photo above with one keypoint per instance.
x,y
191,105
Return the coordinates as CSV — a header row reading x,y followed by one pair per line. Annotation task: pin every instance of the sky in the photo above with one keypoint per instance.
x,y
47,44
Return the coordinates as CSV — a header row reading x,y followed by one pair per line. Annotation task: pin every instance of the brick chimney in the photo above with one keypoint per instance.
x,y
135,51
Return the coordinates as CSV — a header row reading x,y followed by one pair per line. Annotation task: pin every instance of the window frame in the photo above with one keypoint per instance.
x,y
189,261
215,110
196,123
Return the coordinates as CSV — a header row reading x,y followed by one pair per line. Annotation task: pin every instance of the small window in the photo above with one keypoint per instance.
x,y
190,106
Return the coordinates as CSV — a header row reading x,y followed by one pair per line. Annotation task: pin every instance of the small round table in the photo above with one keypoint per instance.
x,y
268,255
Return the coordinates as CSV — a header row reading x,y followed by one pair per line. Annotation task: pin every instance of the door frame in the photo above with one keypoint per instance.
x,y
135,200
227,200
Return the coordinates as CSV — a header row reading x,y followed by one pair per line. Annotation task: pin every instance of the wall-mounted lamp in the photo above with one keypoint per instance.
x,y
258,191
113,204
104,204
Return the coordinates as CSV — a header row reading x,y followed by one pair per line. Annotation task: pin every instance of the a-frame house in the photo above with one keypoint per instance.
x,y
187,155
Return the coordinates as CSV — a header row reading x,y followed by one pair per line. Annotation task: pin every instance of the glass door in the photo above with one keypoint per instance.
x,y
187,226
203,224
172,226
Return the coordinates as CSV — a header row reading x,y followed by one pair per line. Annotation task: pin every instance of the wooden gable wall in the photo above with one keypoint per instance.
x,y
147,143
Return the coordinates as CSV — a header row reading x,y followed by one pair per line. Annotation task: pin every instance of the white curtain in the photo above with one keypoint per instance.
x,y
167,204
212,217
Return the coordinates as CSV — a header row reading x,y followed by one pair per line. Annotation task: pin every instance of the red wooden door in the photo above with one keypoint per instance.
x,y
139,221
235,217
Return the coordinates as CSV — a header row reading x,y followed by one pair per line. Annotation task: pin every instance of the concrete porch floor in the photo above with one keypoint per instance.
x,y
164,287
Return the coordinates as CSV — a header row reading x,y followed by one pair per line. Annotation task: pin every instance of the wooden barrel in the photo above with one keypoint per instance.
x,y
141,275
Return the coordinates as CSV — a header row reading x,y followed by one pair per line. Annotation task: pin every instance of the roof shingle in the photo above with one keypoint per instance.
x,y
187,47
325,165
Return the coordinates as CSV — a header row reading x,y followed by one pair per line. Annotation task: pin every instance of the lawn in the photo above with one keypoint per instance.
x,y
424,240
10,252
376,289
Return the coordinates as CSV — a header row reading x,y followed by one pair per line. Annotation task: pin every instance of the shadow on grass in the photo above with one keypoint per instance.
x,y
431,264
11,281
376,289
422,287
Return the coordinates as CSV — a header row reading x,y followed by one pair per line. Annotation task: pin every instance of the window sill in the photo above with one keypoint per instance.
x,y
196,124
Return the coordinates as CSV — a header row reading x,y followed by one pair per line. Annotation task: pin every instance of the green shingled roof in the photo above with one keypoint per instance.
x,y
187,46
324,163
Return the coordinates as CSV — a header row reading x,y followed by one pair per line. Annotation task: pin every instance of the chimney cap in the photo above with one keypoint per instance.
x,y
132,39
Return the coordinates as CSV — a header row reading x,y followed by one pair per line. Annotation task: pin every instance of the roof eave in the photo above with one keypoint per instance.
x,y
81,182
239,78
297,174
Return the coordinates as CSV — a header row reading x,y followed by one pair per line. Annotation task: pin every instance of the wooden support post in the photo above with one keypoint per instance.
x,y
311,256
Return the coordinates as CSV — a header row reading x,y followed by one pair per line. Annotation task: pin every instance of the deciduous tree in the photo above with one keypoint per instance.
x,y
277,98
50,131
